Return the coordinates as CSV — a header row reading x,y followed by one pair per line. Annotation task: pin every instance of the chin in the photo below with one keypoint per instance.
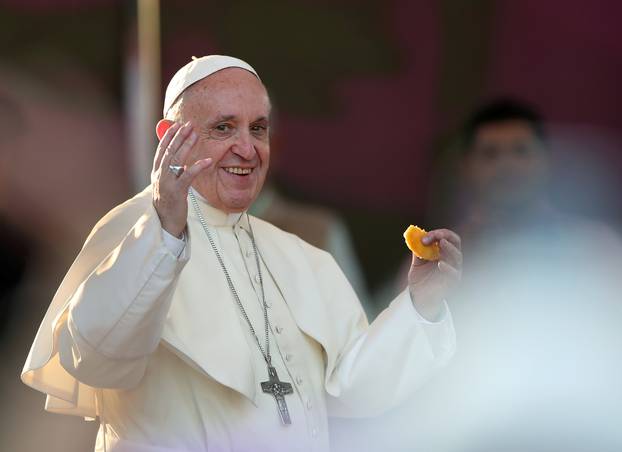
x,y
238,205
236,209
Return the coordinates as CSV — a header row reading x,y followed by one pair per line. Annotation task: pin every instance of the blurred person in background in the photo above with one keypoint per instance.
x,y
185,324
538,365
506,173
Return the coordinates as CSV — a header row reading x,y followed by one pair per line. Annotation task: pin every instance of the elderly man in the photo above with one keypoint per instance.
x,y
186,324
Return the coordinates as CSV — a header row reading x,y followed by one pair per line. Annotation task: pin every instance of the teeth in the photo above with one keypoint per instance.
x,y
237,170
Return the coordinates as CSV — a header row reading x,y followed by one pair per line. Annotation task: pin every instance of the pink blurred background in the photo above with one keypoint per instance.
x,y
368,96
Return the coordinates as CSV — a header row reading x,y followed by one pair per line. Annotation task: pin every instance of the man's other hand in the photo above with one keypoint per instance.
x,y
431,282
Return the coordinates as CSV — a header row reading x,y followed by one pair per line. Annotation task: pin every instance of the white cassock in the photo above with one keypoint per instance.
x,y
152,343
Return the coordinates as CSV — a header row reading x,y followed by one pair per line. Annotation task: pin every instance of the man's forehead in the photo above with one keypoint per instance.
x,y
510,129
228,94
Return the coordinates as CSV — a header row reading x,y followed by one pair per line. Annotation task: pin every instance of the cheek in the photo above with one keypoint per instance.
x,y
537,164
264,155
527,168
481,172
205,149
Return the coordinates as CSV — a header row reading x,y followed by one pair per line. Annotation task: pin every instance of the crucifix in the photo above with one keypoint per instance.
x,y
278,389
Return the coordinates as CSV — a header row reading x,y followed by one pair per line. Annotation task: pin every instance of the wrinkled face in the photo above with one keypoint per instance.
x,y
229,111
507,164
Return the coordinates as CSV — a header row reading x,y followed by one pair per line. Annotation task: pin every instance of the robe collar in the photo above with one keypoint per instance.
x,y
213,216
226,357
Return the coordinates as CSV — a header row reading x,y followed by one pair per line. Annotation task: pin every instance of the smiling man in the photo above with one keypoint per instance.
x,y
187,325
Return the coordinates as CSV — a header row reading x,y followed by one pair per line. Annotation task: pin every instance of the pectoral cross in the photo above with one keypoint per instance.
x,y
278,389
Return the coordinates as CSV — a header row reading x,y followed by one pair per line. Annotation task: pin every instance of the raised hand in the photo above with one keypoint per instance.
x,y
171,177
431,282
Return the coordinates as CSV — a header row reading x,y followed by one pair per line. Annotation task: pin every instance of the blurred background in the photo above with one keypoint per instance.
x,y
371,103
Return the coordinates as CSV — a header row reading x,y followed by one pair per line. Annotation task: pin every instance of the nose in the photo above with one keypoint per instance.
x,y
243,145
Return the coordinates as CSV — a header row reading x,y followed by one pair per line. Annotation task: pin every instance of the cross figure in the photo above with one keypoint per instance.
x,y
278,389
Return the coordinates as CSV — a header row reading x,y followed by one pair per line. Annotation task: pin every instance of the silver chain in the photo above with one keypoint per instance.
x,y
265,352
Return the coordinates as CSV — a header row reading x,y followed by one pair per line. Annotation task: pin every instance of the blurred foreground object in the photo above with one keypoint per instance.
x,y
538,365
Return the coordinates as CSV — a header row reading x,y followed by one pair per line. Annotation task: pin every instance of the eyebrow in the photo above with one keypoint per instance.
x,y
222,118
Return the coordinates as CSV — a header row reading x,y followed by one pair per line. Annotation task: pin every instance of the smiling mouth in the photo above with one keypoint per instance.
x,y
239,171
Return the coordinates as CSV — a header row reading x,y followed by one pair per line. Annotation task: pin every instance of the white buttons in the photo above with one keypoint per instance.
x,y
309,404
314,432
299,380
257,279
279,329
289,357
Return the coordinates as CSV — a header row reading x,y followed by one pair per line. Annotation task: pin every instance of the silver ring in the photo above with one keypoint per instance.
x,y
177,170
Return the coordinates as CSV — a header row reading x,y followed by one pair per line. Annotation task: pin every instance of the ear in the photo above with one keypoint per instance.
x,y
162,127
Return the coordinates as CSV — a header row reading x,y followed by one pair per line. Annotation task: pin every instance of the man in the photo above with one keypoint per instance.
x,y
505,171
185,324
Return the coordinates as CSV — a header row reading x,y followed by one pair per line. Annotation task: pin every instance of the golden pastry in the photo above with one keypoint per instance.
x,y
413,236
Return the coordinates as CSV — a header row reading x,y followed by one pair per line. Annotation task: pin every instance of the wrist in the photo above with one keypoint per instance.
x,y
175,230
429,309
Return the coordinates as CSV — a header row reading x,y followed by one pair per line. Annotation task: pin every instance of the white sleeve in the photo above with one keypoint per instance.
x,y
175,245
114,320
440,317
397,354
373,368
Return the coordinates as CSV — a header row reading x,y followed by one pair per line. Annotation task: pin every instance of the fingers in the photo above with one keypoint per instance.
x,y
173,147
450,264
163,145
439,234
179,140
179,158
450,254
450,272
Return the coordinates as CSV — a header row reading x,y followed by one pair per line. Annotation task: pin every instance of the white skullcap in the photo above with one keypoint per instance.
x,y
198,69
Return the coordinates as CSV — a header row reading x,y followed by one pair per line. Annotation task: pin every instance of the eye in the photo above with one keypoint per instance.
x,y
489,152
222,131
222,127
259,131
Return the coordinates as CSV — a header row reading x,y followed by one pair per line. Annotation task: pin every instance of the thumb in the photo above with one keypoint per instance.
x,y
189,175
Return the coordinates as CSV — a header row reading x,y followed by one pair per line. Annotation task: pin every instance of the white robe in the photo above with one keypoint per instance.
x,y
153,344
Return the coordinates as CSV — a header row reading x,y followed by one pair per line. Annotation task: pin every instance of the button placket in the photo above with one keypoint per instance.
x,y
283,338
284,330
